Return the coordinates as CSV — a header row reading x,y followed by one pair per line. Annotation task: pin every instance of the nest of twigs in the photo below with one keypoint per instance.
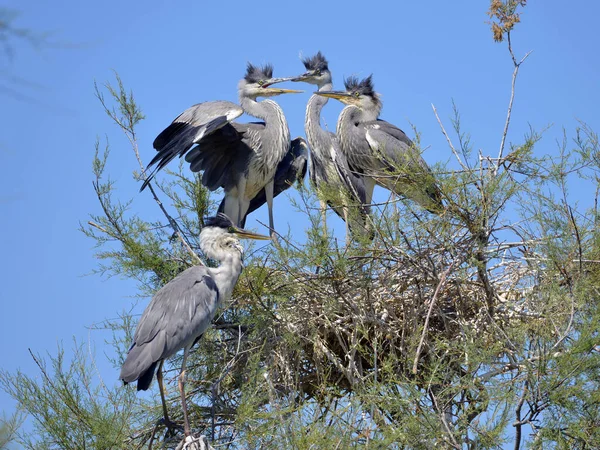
x,y
384,318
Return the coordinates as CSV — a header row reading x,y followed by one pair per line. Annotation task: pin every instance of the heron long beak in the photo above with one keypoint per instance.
x,y
276,80
305,76
342,96
265,89
282,91
250,235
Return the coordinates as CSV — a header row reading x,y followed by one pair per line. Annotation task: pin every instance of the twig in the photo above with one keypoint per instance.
x,y
95,225
129,131
465,168
133,141
426,325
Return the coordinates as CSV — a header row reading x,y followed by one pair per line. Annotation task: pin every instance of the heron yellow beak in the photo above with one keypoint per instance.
x,y
342,96
250,235
282,91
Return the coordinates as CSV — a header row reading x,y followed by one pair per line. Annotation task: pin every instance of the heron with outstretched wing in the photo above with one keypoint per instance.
x,y
241,158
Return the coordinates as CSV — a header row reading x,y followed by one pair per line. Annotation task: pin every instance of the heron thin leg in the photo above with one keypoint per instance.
x,y
369,188
161,388
241,195
186,422
324,217
269,194
347,220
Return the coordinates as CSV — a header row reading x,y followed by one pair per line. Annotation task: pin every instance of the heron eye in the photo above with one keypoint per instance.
x,y
318,72
231,229
357,94
261,82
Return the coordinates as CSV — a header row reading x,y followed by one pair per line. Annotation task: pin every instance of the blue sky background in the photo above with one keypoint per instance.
x,y
175,54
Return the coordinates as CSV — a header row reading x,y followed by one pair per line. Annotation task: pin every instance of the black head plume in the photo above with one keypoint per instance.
x,y
363,87
315,62
219,221
256,73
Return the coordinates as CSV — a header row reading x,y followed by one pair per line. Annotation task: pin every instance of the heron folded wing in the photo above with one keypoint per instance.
x,y
168,304
390,129
141,357
395,153
178,313
415,179
352,182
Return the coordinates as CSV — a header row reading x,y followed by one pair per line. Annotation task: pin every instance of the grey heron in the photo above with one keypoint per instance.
x,y
337,185
291,169
241,158
380,151
182,310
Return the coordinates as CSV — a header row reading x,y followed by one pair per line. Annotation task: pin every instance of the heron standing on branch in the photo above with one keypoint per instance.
x,y
240,158
290,170
337,185
183,309
379,150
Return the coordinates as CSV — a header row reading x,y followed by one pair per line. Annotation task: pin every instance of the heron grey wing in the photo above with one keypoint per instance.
x,y
353,183
393,147
416,181
299,148
390,129
188,129
178,313
222,155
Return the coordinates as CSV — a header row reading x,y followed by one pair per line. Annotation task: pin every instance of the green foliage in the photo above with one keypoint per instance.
x,y
70,409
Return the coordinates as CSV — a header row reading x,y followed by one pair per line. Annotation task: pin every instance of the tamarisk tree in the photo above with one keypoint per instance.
x,y
477,328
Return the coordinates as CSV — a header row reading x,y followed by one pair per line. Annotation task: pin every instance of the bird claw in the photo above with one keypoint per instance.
x,y
169,424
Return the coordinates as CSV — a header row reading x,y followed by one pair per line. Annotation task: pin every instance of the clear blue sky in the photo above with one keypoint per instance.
x,y
175,54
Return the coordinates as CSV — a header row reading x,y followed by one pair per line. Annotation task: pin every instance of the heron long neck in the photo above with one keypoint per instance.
x,y
316,135
227,274
213,245
278,130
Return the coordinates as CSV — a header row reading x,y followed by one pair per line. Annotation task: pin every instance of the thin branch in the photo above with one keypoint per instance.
x,y
512,98
519,424
465,168
128,129
426,325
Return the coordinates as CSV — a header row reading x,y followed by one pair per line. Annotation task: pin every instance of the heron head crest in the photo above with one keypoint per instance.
x,y
256,74
316,62
362,87
219,221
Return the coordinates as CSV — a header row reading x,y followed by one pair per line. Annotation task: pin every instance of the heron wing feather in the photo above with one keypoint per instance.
x,y
177,314
415,179
189,128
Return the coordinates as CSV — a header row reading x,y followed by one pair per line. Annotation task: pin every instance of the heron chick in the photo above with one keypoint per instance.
x,y
241,158
337,185
182,310
379,150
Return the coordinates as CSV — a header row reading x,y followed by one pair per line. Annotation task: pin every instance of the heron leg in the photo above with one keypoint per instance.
x,y
347,220
269,194
186,422
161,388
324,217
369,188
241,196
